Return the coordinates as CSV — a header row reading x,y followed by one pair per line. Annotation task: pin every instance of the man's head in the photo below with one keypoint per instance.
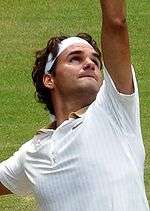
x,y
68,67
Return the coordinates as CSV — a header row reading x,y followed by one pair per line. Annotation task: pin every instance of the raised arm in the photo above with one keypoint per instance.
x,y
115,44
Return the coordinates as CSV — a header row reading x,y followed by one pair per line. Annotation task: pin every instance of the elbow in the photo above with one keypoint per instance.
x,y
118,23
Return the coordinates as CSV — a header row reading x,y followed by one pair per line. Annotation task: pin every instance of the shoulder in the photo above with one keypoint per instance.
x,y
36,143
109,92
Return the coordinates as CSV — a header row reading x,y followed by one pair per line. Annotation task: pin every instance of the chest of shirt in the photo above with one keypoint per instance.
x,y
78,159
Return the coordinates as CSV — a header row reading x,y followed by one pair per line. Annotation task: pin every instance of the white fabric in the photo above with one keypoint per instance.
x,y
63,46
95,162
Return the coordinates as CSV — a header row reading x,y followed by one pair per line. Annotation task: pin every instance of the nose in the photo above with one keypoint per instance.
x,y
89,65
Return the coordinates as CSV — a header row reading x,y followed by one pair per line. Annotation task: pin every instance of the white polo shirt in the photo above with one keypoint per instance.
x,y
91,163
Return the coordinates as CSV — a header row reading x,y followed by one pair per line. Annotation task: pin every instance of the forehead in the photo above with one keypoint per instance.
x,y
83,48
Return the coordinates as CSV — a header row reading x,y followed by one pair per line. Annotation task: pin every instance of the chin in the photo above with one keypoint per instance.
x,y
88,91
91,86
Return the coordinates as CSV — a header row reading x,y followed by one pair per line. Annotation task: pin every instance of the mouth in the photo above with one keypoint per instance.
x,y
88,76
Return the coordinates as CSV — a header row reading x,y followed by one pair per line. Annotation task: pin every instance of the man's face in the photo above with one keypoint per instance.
x,y
77,72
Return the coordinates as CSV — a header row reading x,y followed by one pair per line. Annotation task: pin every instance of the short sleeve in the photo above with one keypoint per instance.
x,y
12,174
124,109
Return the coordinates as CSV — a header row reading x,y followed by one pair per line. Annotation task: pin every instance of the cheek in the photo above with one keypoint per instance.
x,y
99,74
70,71
100,78
66,75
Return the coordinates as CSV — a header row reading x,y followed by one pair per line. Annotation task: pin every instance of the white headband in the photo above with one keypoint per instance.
x,y
62,46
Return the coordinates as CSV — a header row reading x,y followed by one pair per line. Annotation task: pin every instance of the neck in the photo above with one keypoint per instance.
x,y
64,107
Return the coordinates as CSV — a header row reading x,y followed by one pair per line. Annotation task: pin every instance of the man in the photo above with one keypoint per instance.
x,y
92,156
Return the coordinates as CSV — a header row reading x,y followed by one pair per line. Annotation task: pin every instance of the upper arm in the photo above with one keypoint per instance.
x,y
4,190
115,45
13,176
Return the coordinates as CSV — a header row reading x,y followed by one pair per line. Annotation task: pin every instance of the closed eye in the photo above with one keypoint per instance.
x,y
96,62
75,59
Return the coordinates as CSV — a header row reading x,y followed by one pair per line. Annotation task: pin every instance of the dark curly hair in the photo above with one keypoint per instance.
x,y
42,93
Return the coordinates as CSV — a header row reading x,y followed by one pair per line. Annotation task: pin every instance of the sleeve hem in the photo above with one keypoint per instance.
x,y
123,96
13,189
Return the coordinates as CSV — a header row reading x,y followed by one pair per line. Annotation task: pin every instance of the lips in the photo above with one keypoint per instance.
x,y
88,76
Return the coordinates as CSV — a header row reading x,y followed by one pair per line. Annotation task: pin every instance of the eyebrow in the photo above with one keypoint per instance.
x,y
96,55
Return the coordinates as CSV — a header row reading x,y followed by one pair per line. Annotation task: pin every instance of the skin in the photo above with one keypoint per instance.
x,y
71,92
4,190
115,44
76,82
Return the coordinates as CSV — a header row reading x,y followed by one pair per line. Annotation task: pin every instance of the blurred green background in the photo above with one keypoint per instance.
x,y
25,26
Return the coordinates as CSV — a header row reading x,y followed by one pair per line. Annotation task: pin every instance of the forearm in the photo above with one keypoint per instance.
x,y
113,12
115,44
4,190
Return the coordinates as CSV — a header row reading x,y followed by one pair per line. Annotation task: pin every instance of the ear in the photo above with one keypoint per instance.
x,y
48,81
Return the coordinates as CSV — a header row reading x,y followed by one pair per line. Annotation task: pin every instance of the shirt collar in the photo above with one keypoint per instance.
x,y
52,126
79,113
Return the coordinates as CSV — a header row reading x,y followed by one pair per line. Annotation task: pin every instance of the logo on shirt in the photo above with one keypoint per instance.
x,y
77,125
